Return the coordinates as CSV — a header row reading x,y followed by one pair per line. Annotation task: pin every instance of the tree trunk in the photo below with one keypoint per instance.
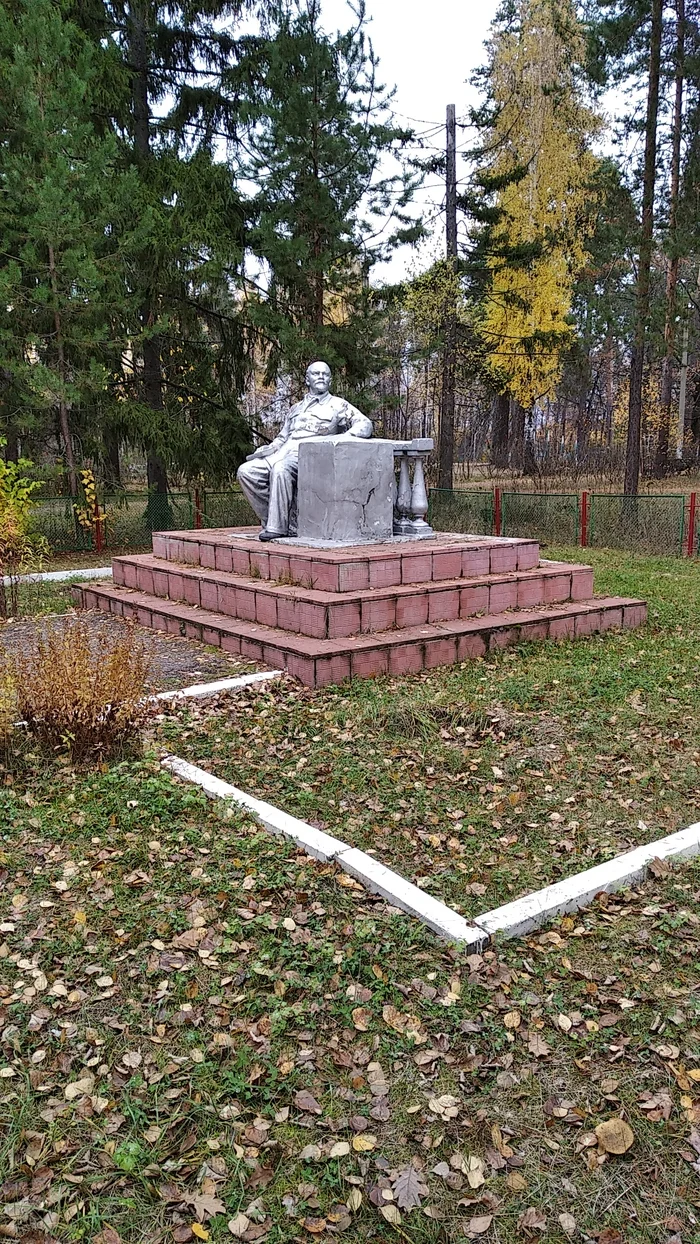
x,y
113,472
516,456
634,421
674,258
447,407
63,406
499,430
12,444
152,382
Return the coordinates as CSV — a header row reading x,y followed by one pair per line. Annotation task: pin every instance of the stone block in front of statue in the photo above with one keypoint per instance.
x,y
345,489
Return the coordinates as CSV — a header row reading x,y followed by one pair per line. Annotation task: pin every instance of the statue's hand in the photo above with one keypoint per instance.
x,y
260,452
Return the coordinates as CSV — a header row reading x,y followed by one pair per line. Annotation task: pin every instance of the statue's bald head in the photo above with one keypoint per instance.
x,y
318,377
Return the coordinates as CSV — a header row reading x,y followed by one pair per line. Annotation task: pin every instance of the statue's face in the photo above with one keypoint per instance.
x,y
318,378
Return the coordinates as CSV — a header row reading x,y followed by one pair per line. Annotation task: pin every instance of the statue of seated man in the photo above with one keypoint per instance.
x,y
268,477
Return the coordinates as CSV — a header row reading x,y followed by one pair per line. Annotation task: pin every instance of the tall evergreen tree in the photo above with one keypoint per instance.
x,y
54,169
320,128
181,234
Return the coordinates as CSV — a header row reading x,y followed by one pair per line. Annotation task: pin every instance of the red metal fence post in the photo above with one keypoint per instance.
x,y
497,512
197,509
99,533
692,517
584,520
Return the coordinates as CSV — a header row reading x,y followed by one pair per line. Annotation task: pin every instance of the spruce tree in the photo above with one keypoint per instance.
x,y
320,126
180,236
54,170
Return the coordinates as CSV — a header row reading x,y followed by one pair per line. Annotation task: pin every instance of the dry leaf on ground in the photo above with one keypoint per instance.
x,y
614,1136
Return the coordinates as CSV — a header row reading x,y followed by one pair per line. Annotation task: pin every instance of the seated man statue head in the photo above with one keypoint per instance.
x,y
268,477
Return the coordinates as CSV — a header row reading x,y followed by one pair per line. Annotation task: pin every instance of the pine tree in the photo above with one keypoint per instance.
x,y
320,126
537,166
54,169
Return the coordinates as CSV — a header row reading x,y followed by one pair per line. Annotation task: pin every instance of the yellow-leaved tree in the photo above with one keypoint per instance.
x,y
537,165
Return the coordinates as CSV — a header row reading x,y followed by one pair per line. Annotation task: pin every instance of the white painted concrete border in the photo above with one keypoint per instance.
x,y
525,914
511,920
378,879
61,576
201,689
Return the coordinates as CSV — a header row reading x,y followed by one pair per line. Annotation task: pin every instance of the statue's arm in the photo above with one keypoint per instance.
x,y
352,421
264,451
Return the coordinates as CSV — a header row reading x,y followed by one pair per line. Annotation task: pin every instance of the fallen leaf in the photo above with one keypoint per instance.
x,y
567,1222
409,1186
200,1231
340,1149
391,1214
108,1236
512,1019
354,1199
363,1143
315,1225
361,1018
532,1219
516,1182
239,1225
474,1171
538,1046
480,1224
310,1153
306,1101
614,1136
206,1205
79,1088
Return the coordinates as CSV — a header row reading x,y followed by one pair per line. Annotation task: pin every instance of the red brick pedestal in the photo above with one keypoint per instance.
x,y
329,614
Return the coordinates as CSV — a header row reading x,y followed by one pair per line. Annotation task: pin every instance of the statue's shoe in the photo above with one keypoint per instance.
x,y
271,535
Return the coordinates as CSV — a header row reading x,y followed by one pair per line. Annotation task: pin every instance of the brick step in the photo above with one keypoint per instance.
x,y
447,555
334,615
316,662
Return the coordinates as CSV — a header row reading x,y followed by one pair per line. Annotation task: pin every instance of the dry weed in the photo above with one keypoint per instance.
x,y
78,692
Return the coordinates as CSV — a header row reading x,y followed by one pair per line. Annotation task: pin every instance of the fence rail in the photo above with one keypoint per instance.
x,y
649,524
652,524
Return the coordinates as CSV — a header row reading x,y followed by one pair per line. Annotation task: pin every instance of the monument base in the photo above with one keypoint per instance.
x,y
327,614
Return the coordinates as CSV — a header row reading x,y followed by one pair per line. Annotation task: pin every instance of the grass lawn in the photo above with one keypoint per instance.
x,y
490,779
206,1036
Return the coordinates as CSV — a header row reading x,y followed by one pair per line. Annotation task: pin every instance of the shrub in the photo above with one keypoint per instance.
x,y
78,692
20,551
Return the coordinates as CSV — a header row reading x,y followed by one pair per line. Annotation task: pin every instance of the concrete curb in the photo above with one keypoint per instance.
x,y
378,879
511,920
201,689
525,914
61,576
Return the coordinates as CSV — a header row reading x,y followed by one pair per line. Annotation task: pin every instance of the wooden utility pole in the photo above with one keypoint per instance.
x,y
447,405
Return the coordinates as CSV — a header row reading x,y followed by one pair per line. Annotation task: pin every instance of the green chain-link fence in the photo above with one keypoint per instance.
x,y
550,517
467,510
226,509
654,524
651,524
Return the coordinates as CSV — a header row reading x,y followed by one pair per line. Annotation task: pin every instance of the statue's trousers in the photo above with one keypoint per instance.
x,y
270,485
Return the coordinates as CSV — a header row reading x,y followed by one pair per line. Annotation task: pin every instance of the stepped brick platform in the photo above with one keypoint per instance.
x,y
327,614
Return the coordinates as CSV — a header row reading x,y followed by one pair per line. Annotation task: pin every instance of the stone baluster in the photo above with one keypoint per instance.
x,y
403,526
411,496
419,495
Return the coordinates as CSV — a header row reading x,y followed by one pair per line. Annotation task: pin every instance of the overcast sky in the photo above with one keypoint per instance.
x,y
428,49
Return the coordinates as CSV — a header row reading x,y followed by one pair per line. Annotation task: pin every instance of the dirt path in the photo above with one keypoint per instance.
x,y
175,662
